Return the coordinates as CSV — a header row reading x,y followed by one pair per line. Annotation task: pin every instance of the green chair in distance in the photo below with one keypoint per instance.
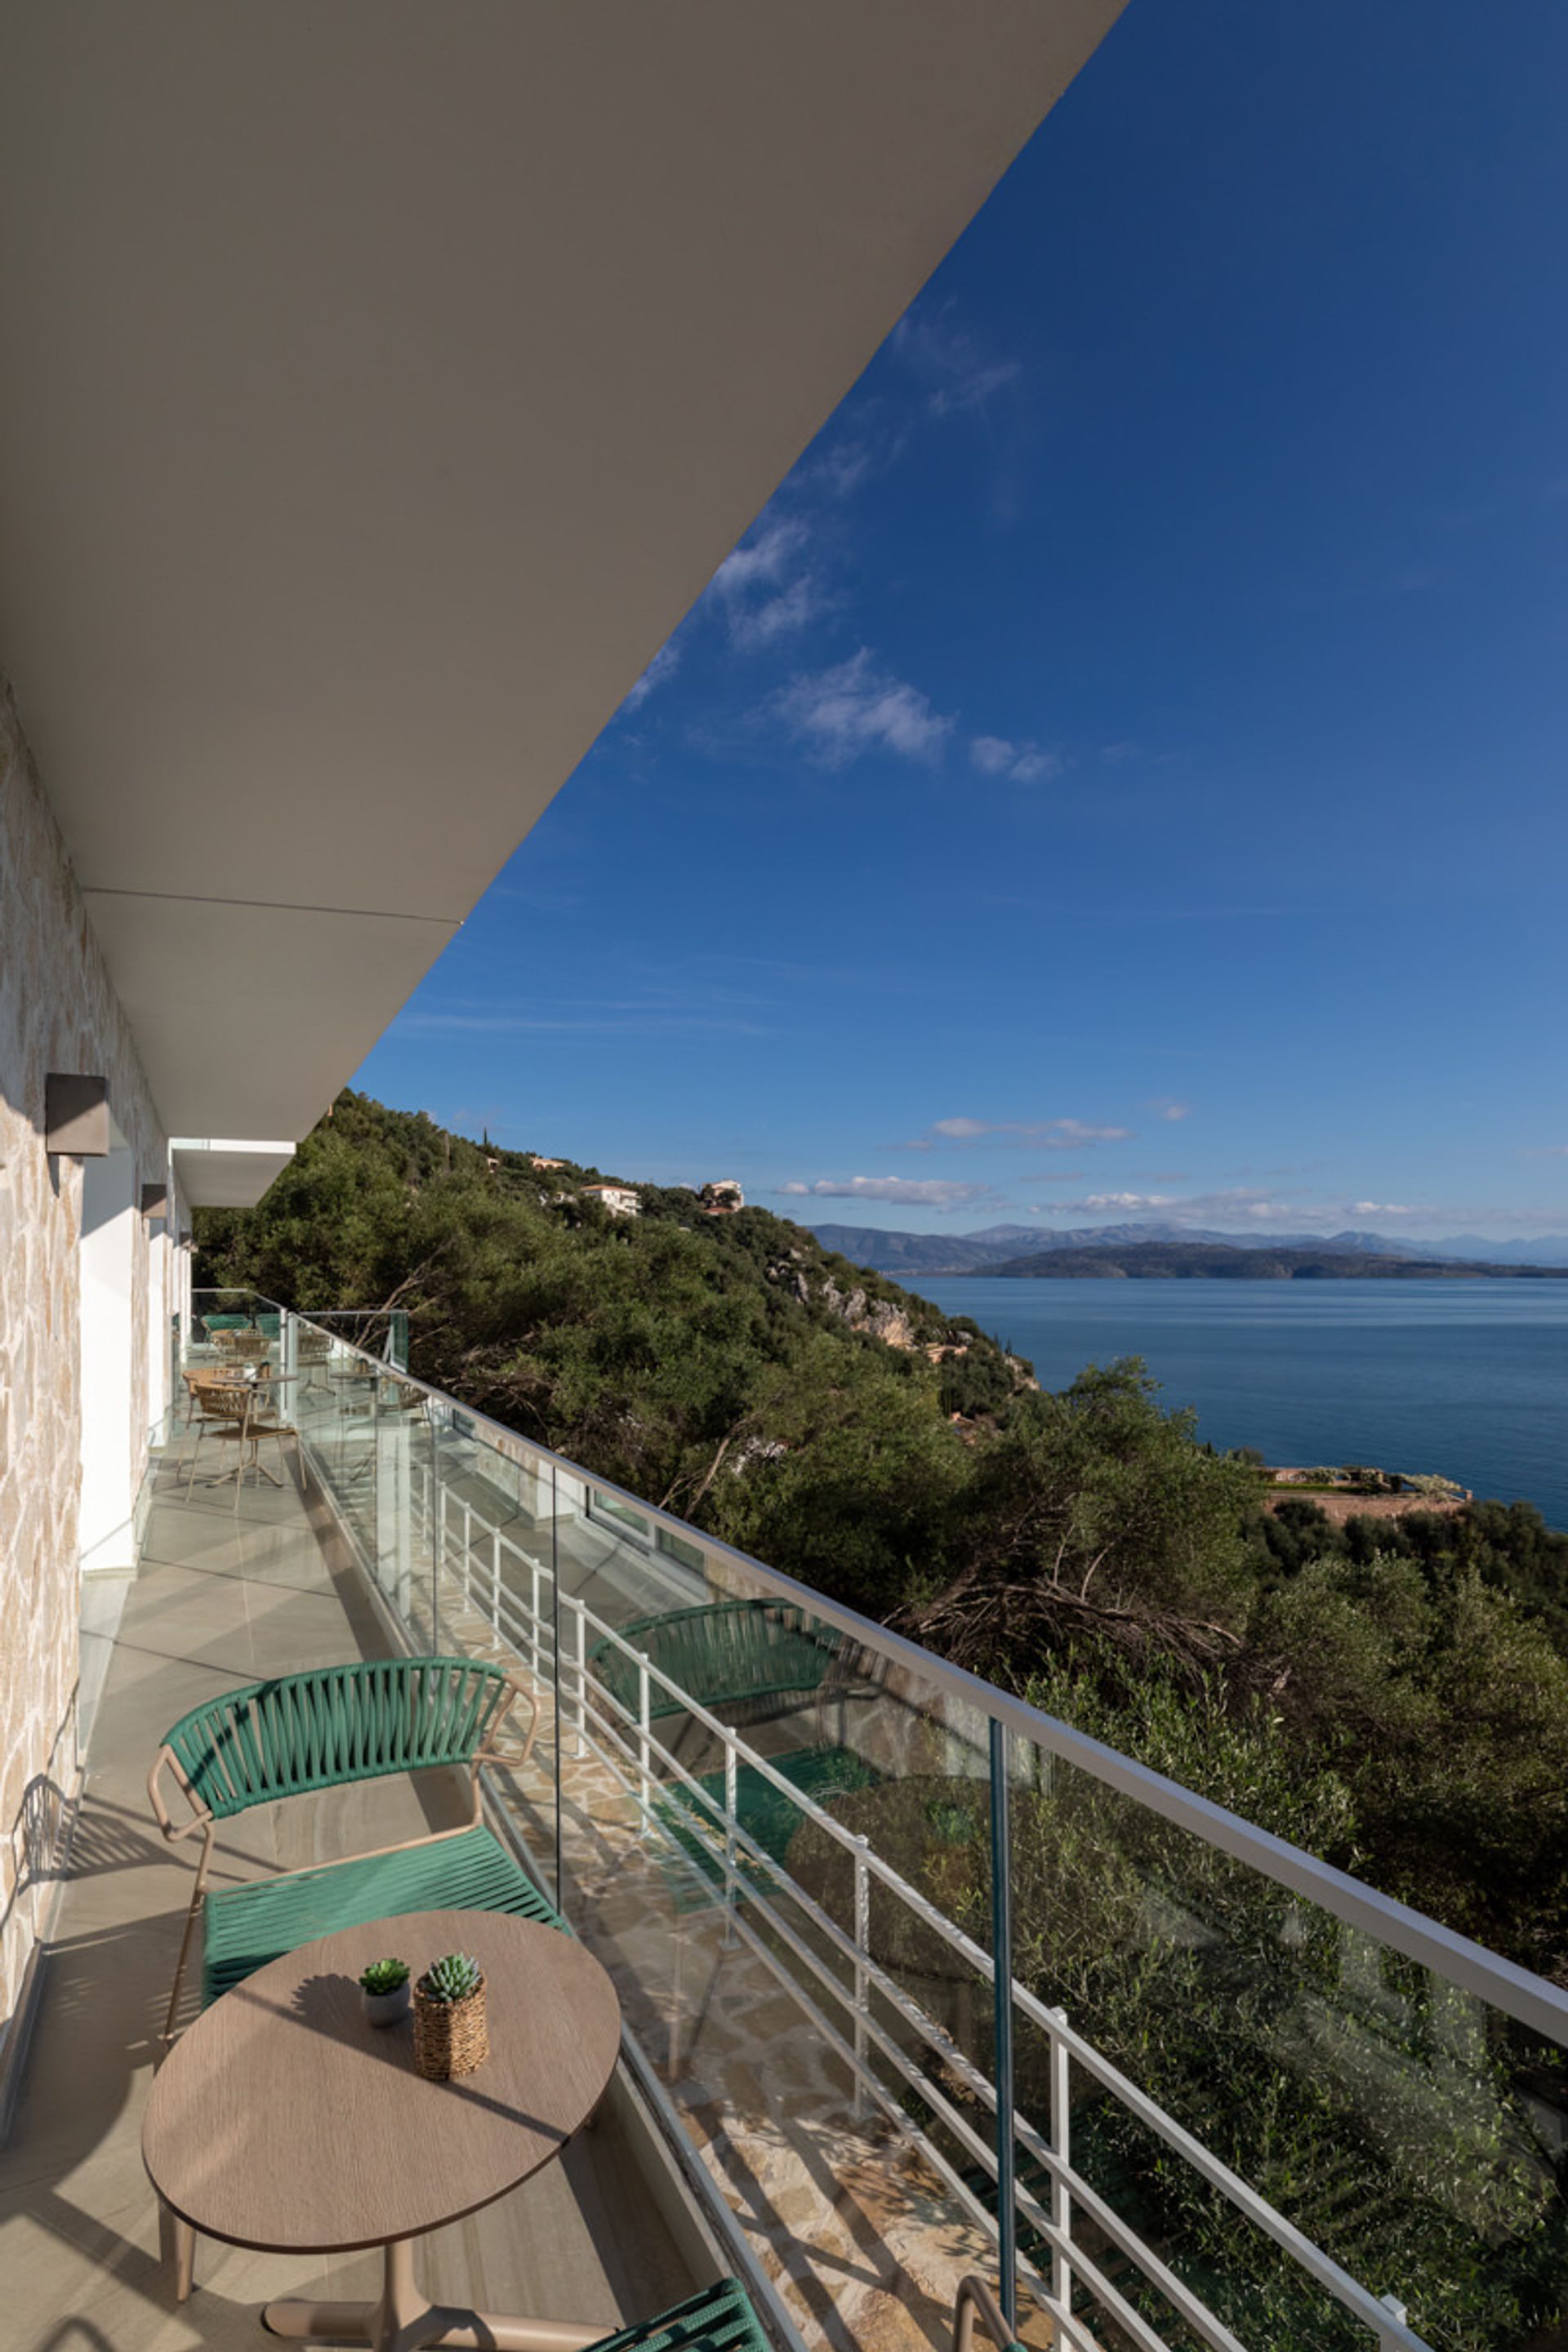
x,y
748,1654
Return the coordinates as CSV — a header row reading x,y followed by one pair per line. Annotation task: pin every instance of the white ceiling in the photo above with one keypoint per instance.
x,y
382,383
217,1172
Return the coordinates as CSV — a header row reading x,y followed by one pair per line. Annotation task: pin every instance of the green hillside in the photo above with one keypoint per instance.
x,y
728,1368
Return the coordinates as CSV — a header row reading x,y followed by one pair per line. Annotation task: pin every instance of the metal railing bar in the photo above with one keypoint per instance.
x,y
940,2043
1320,2265
1190,2306
938,1921
920,2082
1312,2258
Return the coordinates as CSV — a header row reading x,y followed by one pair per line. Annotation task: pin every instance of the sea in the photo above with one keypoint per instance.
x,y
1466,1377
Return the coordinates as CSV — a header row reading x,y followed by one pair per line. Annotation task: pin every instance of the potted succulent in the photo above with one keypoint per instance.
x,y
384,1985
450,2035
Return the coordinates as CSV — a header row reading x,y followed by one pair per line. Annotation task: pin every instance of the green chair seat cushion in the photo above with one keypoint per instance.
x,y
245,1926
717,2319
225,1322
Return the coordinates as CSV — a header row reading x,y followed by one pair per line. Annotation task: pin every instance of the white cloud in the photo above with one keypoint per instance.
x,y
779,616
1024,763
857,708
762,561
843,468
959,377
1166,1108
1253,1207
763,590
1043,1135
922,1193
659,672
991,755
1066,1134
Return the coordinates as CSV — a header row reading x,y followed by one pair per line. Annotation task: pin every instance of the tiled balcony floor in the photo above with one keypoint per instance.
x,y
217,1601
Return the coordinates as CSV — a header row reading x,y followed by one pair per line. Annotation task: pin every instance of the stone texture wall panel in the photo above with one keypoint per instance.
x,y
58,1012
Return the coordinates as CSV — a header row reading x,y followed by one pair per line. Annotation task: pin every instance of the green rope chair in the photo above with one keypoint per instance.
x,y
717,2319
720,2318
298,1734
721,1654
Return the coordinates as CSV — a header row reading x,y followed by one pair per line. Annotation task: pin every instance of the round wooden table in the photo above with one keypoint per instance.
x,y
281,2120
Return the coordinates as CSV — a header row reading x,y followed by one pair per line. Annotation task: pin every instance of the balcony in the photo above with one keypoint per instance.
x,y
782,1831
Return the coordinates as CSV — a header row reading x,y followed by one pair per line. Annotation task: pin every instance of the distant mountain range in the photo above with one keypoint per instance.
x,y
995,1249
1257,1262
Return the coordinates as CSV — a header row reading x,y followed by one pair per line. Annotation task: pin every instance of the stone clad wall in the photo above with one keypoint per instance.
x,y
58,1012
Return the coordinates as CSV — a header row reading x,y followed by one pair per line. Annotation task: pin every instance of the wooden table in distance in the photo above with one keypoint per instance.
x,y
281,2120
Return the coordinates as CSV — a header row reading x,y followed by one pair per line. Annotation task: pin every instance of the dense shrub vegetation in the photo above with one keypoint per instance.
x,y
1391,1693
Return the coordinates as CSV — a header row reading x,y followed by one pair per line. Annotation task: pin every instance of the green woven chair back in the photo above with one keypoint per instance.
x,y
225,1322
721,1654
269,1326
336,1724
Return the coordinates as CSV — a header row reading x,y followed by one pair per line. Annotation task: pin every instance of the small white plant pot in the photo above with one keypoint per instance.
x,y
388,2007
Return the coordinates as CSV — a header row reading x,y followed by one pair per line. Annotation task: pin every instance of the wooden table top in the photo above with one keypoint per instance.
x,y
282,2120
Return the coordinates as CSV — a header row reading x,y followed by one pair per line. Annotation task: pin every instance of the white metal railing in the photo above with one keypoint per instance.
x,y
625,1742
629,1747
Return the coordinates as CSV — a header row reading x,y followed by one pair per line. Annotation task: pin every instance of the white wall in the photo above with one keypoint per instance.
x,y
106,1358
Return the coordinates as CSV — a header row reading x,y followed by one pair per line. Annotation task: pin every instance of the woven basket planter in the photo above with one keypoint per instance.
x,y
450,2037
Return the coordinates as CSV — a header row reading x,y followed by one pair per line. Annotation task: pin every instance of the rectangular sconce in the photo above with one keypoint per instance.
x,y
76,1116
154,1201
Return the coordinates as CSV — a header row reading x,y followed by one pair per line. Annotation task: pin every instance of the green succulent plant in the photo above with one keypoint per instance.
x,y
452,1979
384,1976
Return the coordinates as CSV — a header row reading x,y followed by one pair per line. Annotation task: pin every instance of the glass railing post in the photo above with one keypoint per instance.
x,y
556,1669
645,1726
1395,2311
1061,2202
435,1521
1002,1990
862,1982
731,1809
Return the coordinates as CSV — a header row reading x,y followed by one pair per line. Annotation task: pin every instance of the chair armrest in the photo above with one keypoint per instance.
x,y
492,1755
975,2301
201,1818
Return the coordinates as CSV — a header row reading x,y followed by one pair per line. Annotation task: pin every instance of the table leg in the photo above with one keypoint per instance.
x,y
402,2320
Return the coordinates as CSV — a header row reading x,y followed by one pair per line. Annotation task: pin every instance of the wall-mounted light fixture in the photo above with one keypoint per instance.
x,y
76,1116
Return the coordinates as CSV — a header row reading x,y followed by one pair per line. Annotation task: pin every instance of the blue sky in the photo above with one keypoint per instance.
x,y
1122,771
